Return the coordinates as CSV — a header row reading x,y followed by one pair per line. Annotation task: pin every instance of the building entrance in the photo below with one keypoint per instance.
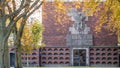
x,y
79,57
12,59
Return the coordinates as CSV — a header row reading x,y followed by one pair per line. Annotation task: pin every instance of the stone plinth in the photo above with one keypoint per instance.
x,y
82,40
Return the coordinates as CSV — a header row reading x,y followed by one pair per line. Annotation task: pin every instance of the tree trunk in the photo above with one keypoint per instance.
x,y
4,55
18,62
2,65
7,56
4,58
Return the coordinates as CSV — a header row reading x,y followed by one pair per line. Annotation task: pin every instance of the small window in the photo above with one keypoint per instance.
x,y
61,62
115,54
91,49
67,54
49,62
103,62
56,58
49,49
115,58
104,58
91,54
109,58
97,62
61,49
34,58
115,62
115,49
97,49
91,62
91,58
43,49
61,58
61,53
109,49
97,58
55,53
67,62
103,54
103,49
44,62
43,58
55,49
67,58
55,62
109,63
49,53
67,49
34,54
49,58
43,53
97,54
109,54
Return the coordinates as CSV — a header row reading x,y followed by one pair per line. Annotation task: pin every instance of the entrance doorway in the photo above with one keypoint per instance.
x,y
80,57
12,59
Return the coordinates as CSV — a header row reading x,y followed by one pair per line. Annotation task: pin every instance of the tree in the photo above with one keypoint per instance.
x,y
32,38
13,10
108,14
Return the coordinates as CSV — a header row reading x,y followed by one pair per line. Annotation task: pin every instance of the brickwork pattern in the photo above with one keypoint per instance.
x,y
106,56
52,55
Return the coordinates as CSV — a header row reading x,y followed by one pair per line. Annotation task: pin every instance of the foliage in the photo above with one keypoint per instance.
x,y
27,39
108,14
37,30
32,36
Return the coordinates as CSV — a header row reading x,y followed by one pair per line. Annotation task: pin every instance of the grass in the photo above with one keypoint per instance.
x,y
70,67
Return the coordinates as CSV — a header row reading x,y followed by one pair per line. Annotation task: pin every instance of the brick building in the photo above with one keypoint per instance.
x,y
64,48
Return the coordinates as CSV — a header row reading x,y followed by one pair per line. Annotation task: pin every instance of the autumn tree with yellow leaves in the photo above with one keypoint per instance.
x,y
108,14
14,10
32,38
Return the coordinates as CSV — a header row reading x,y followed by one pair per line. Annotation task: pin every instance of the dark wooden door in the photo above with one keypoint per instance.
x,y
12,59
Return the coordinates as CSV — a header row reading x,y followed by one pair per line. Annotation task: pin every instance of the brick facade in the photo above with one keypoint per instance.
x,y
55,35
56,52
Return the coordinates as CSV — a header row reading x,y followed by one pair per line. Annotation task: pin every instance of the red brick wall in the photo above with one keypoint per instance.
x,y
55,33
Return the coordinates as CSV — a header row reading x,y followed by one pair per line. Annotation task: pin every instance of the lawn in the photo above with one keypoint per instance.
x,y
69,67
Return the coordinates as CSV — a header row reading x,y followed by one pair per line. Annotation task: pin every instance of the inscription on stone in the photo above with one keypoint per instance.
x,y
80,40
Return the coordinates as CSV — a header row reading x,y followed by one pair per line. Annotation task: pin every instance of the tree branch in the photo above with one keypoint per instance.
x,y
17,11
20,16
14,5
34,4
9,29
9,8
35,8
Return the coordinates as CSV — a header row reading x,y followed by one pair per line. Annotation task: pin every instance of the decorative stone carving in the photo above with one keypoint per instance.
x,y
79,18
79,36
